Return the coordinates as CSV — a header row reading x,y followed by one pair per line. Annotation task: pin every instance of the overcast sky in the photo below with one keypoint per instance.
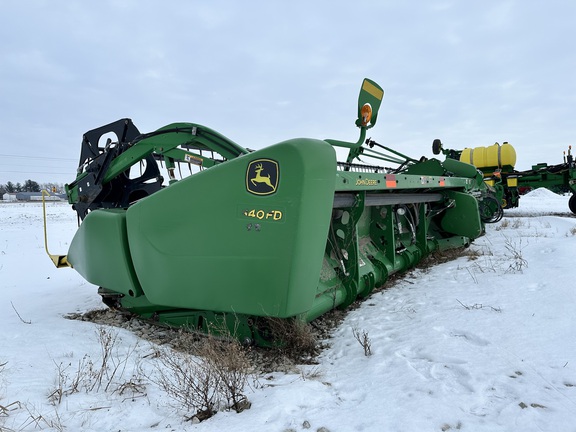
x,y
468,72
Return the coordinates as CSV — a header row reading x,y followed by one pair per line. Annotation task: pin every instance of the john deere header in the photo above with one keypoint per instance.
x,y
283,232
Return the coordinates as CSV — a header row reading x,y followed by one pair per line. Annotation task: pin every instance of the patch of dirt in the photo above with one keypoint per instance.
x,y
264,360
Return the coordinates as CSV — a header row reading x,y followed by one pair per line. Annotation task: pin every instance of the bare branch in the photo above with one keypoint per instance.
x,y
25,322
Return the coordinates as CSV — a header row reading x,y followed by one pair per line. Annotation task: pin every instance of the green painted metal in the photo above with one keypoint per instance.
x,y
557,178
209,232
283,232
463,217
100,252
177,135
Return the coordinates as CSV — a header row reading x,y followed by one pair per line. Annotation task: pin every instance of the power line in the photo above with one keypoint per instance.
x,y
37,157
34,164
36,172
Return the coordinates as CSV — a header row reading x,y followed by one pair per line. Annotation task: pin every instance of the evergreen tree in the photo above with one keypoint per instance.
x,y
31,186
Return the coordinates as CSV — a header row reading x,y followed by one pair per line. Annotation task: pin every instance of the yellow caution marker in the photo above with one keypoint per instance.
x,y
58,260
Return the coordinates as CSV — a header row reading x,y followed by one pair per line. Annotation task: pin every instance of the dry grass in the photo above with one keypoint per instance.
x,y
364,340
105,373
294,338
517,260
441,257
212,379
6,408
513,223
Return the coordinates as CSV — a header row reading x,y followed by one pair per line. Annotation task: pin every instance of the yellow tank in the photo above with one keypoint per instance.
x,y
474,156
494,156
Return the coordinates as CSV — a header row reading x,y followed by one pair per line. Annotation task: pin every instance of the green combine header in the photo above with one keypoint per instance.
x,y
285,232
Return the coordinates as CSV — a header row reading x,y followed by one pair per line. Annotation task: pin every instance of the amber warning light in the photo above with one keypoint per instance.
x,y
366,113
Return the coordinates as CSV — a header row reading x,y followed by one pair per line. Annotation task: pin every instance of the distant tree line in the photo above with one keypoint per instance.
x,y
30,186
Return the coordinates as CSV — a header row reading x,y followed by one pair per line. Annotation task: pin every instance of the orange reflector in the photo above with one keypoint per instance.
x,y
390,180
366,113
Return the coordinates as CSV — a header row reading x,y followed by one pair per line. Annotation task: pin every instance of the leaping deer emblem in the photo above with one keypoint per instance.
x,y
259,178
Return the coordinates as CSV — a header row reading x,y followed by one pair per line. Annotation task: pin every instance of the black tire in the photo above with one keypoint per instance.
x,y
572,203
499,215
436,146
490,210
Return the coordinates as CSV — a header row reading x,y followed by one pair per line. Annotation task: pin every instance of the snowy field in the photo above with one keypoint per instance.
x,y
482,343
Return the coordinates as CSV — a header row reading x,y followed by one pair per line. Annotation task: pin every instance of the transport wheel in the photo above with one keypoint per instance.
x,y
436,146
490,210
572,203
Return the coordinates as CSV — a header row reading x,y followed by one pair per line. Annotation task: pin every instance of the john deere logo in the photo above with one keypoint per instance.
x,y
262,177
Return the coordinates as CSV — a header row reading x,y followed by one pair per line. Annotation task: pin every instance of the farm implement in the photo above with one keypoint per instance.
x,y
285,232
496,163
560,178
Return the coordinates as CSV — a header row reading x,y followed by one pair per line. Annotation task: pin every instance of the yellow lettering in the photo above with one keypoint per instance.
x,y
274,215
366,182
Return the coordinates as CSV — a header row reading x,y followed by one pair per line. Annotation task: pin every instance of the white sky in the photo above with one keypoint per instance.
x,y
468,72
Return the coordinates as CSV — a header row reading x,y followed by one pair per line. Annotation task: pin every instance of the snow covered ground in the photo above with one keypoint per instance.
x,y
481,343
